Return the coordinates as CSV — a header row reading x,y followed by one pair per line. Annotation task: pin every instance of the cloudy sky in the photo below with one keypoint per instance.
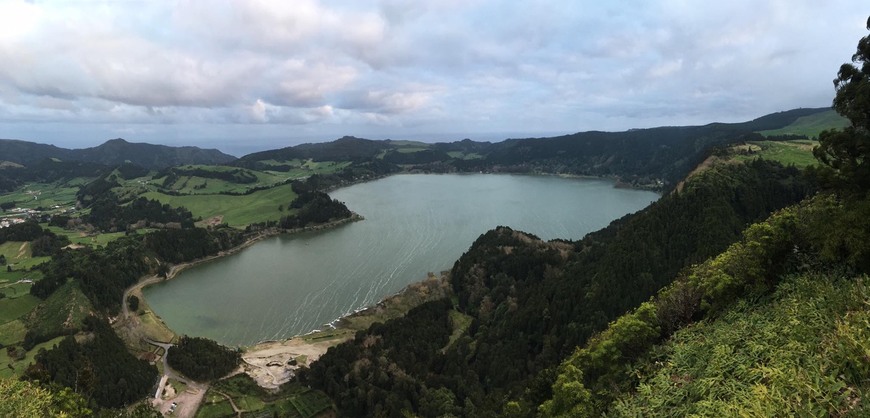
x,y
251,75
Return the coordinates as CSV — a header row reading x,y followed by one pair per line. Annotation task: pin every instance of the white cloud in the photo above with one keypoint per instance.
x,y
357,66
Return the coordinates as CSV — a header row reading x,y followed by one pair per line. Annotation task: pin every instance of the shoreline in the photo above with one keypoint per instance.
x,y
261,235
131,324
337,323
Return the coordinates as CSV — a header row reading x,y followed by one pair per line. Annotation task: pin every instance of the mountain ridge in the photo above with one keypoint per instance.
x,y
113,152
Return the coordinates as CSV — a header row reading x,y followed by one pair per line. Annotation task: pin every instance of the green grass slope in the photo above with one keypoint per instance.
x,y
811,125
798,153
236,211
776,325
798,352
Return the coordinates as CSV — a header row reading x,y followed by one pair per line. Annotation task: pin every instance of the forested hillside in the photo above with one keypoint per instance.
x,y
112,152
655,158
775,325
530,302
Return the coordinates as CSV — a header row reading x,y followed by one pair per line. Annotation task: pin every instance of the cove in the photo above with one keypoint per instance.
x,y
414,224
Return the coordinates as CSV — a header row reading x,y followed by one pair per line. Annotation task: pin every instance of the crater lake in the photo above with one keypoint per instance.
x,y
414,224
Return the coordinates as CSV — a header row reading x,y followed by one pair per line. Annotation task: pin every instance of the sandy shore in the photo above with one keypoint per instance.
x,y
274,363
270,362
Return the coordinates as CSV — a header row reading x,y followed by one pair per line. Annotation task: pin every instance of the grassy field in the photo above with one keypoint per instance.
x,y
292,400
15,307
97,240
798,153
812,125
18,255
12,332
46,195
463,156
215,407
210,186
206,185
18,367
237,211
409,150
153,327
63,310
460,323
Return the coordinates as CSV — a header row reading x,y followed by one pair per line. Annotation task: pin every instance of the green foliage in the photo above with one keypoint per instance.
x,y
820,231
314,207
237,211
108,214
811,126
12,308
847,152
26,231
838,229
133,303
570,397
531,303
202,359
100,368
180,245
382,370
62,313
102,273
799,353
797,153
28,400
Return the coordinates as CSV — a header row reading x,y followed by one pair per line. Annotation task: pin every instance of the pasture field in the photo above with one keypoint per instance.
x,y
46,195
237,211
215,406
14,307
12,332
409,150
9,368
65,309
96,240
811,126
798,153
292,400
459,155
19,256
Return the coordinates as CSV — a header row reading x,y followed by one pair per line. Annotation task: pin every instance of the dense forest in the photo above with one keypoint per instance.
x,y
656,158
532,302
100,368
202,359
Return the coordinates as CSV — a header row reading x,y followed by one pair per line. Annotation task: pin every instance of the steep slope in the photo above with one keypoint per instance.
x,y
797,352
530,303
775,325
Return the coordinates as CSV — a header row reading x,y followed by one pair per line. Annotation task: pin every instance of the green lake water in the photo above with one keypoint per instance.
x,y
414,224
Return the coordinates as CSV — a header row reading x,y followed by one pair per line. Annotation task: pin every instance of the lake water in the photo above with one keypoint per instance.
x,y
414,224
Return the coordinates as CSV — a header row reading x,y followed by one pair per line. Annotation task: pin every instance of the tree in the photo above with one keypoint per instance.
x,y
133,303
847,153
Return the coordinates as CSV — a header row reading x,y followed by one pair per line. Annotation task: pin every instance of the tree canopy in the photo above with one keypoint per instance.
x,y
847,152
